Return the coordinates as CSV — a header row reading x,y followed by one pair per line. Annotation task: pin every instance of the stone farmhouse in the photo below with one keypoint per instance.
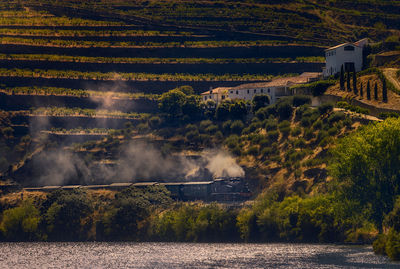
x,y
276,89
350,55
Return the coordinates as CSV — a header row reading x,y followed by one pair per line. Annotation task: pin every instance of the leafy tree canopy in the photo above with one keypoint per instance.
x,y
366,167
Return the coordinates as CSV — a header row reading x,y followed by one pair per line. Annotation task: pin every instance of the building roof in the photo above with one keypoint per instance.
x,y
280,82
217,90
360,43
340,45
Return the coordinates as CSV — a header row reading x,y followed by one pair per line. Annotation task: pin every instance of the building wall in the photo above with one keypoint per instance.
x,y
248,94
217,97
335,58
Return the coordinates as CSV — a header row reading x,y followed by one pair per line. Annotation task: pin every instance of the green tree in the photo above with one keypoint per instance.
x,y
384,91
348,81
187,90
21,223
355,83
342,78
191,107
172,102
66,214
365,165
284,109
238,109
222,111
368,90
259,101
361,90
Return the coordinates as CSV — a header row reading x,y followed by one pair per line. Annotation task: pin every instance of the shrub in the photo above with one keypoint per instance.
x,y
212,129
260,101
325,108
332,131
232,141
335,117
271,125
299,143
284,109
317,125
254,126
393,245
296,131
308,134
273,135
204,124
379,245
21,223
253,150
299,100
385,115
226,126
237,127
154,122
192,135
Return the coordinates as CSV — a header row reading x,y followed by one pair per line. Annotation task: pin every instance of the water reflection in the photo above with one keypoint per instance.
x,y
183,255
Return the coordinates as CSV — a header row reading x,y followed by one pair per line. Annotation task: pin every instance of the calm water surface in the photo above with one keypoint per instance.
x,y
182,255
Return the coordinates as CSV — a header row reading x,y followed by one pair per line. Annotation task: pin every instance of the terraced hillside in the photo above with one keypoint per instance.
x,y
52,57
101,65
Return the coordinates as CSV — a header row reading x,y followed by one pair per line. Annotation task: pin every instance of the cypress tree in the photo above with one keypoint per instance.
x,y
368,91
355,83
384,91
361,90
341,78
376,91
348,82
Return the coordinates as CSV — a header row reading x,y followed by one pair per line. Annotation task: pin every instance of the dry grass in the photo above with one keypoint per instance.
x,y
393,98
14,199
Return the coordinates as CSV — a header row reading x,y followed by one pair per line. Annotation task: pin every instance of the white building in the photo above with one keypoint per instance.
x,y
275,89
350,55
217,94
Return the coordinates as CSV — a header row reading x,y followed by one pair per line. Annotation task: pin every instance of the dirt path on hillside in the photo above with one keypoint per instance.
x,y
390,74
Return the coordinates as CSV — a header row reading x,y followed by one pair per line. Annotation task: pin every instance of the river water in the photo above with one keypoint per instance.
x,y
187,255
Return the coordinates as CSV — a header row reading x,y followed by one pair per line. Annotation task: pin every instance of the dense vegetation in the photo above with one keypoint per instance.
x,y
84,59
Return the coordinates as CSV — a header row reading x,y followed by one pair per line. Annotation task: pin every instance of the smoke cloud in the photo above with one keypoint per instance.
x,y
137,161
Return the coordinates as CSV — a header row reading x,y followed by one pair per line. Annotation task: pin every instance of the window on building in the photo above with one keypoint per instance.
x,y
237,92
248,91
269,90
262,90
223,97
349,48
255,91
231,91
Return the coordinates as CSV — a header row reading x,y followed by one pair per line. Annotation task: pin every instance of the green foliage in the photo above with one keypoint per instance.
x,y
313,219
21,223
317,88
385,115
260,101
325,108
237,127
284,109
299,100
365,165
65,213
392,248
149,60
195,223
